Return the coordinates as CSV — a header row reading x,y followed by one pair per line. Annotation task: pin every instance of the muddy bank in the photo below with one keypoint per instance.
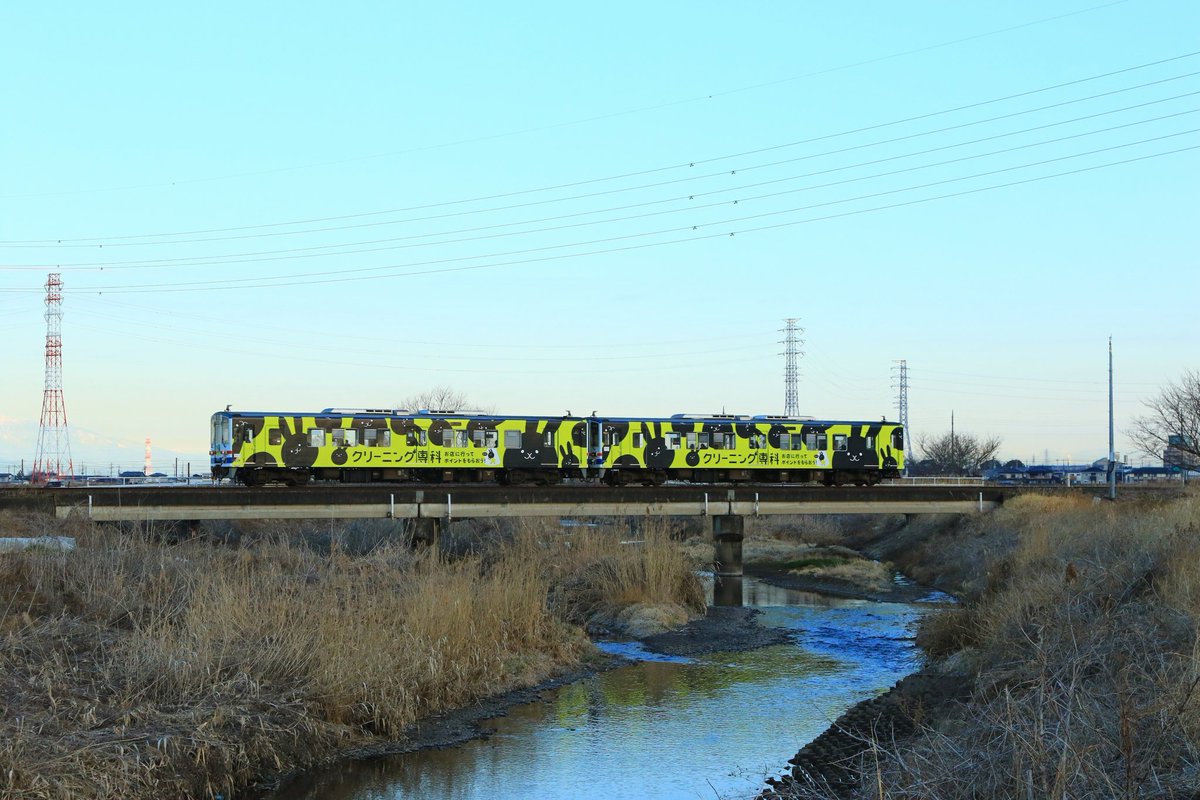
x,y
828,764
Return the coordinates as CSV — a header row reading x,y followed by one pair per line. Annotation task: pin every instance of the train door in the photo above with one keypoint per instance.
x,y
220,451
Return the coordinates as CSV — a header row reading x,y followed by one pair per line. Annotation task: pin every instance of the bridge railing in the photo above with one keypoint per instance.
x,y
936,480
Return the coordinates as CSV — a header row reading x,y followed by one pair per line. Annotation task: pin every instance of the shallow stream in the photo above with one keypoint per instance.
x,y
711,727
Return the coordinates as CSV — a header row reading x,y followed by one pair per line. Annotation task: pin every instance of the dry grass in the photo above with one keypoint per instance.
x,y
135,668
601,575
1084,646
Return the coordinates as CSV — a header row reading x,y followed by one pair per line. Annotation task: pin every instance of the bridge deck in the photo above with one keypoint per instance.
x,y
145,503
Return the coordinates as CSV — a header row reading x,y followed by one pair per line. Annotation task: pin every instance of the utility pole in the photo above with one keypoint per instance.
x,y
791,372
900,384
1112,467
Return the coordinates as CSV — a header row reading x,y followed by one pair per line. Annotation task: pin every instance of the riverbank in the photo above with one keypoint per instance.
x,y
1069,668
139,665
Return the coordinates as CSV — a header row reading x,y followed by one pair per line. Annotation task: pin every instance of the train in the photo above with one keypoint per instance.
x,y
429,446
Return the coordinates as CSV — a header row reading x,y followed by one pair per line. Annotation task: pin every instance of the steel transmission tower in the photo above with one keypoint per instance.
x,y
900,384
53,457
791,373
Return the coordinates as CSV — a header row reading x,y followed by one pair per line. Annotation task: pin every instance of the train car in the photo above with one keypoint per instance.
x,y
367,445
728,448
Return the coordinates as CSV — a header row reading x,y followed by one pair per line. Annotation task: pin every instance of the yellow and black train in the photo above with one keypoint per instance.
x,y
366,445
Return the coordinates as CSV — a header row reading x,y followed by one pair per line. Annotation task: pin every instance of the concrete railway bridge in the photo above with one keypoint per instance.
x,y
429,507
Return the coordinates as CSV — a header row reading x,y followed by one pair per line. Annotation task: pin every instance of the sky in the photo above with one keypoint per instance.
x,y
551,207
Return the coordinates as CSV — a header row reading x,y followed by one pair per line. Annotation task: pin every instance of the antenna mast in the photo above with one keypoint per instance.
x,y
791,373
52,460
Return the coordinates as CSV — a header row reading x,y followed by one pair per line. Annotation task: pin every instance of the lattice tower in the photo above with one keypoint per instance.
x,y
146,471
900,384
791,372
52,459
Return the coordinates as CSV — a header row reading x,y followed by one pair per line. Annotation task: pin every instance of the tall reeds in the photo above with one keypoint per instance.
x,y
134,667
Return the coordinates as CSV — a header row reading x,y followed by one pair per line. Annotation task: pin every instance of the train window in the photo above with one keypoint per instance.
x,y
758,441
351,437
705,440
692,442
248,435
512,439
785,441
898,439
316,438
369,437
477,438
385,438
724,441
460,439
275,436
839,442
549,440
672,441
870,444
339,437
447,438
417,438
637,440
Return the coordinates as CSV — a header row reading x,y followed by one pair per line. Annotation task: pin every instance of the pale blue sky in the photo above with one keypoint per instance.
x,y
293,206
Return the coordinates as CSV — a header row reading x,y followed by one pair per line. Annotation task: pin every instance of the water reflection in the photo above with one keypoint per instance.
x,y
680,728
723,591
727,591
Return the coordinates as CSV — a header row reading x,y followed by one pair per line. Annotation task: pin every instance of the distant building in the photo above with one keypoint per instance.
x,y
1096,473
1180,453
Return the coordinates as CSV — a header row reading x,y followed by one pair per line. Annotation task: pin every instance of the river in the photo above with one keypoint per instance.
x,y
714,726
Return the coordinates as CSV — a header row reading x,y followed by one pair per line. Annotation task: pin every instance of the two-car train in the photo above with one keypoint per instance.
x,y
367,445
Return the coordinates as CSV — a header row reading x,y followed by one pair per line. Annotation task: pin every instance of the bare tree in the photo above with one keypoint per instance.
x,y
439,398
956,453
1171,429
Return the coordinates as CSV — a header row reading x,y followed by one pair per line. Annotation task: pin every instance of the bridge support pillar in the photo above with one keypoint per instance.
x,y
727,544
426,531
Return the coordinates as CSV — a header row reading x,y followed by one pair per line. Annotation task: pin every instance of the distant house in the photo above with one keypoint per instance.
x,y
1094,474
7,477
1147,474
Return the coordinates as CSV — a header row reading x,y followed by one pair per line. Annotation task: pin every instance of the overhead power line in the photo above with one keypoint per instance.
x,y
345,276
113,240
321,251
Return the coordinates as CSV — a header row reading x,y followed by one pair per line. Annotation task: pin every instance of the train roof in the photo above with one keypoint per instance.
x,y
773,419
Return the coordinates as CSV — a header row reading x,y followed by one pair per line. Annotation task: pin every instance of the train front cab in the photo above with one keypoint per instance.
x,y
220,451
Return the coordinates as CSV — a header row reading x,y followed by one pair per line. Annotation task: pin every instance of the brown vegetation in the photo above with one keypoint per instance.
x,y
1080,638
134,668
